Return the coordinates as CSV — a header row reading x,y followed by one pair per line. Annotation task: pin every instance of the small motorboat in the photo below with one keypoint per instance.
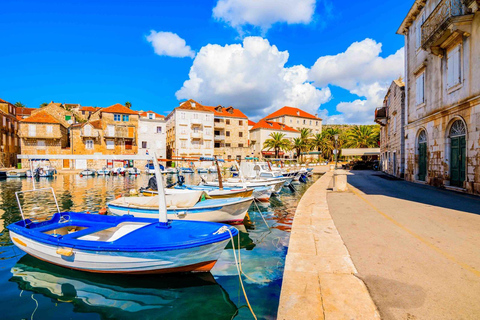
x,y
184,205
104,172
275,186
202,170
171,171
133,171
16,174
150,169
87,172
187,170
212,192
212,169
41,168
118,171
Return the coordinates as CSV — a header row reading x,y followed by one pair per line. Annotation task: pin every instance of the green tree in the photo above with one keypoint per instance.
x,y
363,137
298,145
323,144
43,104
128,104
277,141
18,104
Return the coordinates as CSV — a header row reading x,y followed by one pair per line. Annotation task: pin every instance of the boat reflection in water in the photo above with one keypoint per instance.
x,y
184,296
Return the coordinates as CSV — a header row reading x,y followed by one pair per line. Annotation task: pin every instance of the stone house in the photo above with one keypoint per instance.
x,y
231,134
59,112
262,130
42,134
9,141
442,77
152,135
190,131
296,118
391,117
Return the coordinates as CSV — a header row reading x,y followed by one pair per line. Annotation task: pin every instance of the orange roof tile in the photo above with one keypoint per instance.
x,y
145,114
187,105
119,108
265,124
251,123
290,111
91,109
227,112
25,111
41,117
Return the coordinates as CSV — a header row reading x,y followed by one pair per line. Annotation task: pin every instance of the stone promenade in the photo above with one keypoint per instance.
x,y
319,280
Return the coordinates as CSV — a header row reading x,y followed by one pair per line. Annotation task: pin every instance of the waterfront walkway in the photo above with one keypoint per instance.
x,y
416,247
319,280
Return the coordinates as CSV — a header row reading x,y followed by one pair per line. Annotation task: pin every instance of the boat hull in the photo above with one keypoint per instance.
x,y
234,194
196,259
228,213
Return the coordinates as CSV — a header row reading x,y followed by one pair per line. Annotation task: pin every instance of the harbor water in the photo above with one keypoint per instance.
x,y
33,289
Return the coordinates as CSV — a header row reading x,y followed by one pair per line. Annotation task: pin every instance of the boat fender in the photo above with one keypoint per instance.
x,y
118,196
103,211
65,252
181,214
81,175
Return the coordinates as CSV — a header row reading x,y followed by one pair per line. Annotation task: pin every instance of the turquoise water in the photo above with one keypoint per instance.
x,y
32,289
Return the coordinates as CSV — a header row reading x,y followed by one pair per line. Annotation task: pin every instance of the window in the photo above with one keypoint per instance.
x,y
290,120
49,129
151,116
159,129
227,133
125,117
227,145
144,144
89,144
116,117
420,89
394,124
310,122
182,115
418,30
454,66
32,130
41,144
298,121
207,144
240,122
68,118
83,112
240,134
110,130
316,123
184,144
227,121
229,157
195,116
110,145
240,145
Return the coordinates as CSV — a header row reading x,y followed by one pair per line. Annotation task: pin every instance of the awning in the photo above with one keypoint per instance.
x,y
361,152
272,153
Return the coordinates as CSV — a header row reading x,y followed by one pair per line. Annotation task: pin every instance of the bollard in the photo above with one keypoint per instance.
x,y
332,167
340,180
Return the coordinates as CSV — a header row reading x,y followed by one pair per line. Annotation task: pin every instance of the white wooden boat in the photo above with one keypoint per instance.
x,y
87,172
16,174
104,172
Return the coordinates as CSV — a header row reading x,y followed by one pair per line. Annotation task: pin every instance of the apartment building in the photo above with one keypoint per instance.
x,y
391,117
442,76
9,142
152,134
296,118
231,134
190,131
262,130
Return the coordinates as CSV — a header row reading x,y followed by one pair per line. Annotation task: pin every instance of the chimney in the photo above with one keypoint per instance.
x,y
316,115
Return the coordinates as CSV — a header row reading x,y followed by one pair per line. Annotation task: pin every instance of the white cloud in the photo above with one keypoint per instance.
x,y
362,71
250,76
169,44
263,13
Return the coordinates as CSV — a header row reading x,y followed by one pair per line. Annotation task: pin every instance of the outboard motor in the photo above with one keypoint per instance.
x,y
181,180
152,184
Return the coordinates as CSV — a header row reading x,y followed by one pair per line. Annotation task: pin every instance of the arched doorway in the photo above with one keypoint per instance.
x,y
422,155
458,156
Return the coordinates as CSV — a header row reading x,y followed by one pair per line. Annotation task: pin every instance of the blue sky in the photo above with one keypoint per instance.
x,y
96,53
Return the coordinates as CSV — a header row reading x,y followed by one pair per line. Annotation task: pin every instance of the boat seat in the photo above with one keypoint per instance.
x,y
114,233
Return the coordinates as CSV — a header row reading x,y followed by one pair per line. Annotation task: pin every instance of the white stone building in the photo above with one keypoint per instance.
x,y
190,131
152,134
442,76
261,131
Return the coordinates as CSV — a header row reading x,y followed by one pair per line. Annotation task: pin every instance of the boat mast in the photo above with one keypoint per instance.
x,y
220,182
162,206
240,173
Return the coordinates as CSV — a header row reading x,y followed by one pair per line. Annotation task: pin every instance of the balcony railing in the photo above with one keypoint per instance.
x,y
381,115
195,122
92,134
439,20
196,135
219,124
219,137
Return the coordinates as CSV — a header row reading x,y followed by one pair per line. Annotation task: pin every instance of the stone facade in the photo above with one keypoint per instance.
x,y
262,130
9,141
391,118
442,130
152,132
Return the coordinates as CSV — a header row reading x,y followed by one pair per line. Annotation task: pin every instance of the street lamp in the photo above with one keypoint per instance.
x,y
336,150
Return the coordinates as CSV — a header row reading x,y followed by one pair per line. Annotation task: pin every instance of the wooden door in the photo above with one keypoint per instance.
x,y
131,132
66,163
457,156
422,161
128,144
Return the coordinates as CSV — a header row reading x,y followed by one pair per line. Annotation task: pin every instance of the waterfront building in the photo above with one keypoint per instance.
x,y
9,142
442,77
231,135
262,130
152,134
43,134
190,131
296,118
391,117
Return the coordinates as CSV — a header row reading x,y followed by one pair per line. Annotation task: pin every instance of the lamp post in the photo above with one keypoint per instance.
x,y
336,150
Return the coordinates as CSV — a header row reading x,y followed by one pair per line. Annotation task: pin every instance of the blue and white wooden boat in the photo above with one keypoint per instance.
x,y
260,193
110,244
187,170
184,205
202,170
104,172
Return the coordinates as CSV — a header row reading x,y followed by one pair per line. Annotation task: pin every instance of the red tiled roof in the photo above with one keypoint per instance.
x,y
187,105
41,117
97,124
227,112
119,108
290,111
145,114
251,123
265,124
25,111
91,109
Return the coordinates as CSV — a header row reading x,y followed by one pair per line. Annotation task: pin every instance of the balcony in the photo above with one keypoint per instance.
x,y
120,132
381,116
219,137
195,122
196,135
219,125
446,22
92,134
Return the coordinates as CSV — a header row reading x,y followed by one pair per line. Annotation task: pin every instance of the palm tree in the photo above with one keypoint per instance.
x,y
363,137
298,145
304,141
43,104
322,143
277,142
19,105
128,104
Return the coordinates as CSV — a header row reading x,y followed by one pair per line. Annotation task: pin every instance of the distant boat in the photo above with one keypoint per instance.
x,y
87,172
41,168
202,170
133,171
16,174
187,170
104,172
212,192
